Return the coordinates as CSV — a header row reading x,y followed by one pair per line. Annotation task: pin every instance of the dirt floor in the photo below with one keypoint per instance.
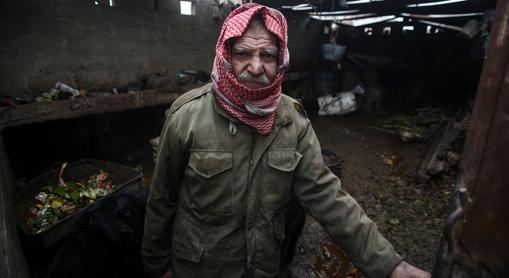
x,y
379,171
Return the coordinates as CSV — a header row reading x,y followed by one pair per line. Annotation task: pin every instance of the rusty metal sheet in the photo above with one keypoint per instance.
x,y
484,232
493,74
486,229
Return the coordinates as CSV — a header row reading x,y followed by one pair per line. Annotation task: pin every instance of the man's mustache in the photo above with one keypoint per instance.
x,y
245,76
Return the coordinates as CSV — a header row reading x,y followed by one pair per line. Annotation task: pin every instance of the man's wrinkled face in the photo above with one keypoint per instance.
x,y
254,57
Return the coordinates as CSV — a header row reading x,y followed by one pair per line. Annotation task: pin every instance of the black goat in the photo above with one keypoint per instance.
x,y
295,217
105,241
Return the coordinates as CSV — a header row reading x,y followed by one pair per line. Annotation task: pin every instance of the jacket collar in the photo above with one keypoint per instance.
x,y
283,112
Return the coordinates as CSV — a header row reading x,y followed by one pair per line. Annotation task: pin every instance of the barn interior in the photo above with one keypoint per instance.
x,y
390,88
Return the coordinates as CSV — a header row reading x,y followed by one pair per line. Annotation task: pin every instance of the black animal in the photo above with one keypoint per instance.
x,y
295,216
105,241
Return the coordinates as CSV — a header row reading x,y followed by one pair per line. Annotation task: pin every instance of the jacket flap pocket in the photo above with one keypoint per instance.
x,y
188,250
210,163
285,161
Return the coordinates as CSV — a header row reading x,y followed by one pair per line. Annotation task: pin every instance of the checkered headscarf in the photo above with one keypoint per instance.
x,y
253,107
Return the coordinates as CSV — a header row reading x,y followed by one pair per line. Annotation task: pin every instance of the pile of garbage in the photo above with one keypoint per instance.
x,y
339,104
163,81
57,201
60,91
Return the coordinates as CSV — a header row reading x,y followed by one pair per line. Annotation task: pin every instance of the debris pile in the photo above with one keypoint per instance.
x,y
447,134
57,201
339,104
420,126
445,154
60,91
163,81
404,126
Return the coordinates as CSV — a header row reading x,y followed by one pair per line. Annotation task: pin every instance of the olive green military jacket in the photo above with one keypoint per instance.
x,y
215,207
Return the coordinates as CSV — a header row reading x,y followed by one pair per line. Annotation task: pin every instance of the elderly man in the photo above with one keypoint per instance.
x,y
232,155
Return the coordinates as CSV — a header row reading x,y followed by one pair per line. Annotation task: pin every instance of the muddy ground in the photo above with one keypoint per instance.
x,y
379,170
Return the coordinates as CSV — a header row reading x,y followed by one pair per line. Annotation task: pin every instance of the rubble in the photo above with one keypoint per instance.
x,y
441,154
420,126
423,126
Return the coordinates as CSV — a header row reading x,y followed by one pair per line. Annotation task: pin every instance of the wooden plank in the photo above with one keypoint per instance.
x,y
480,243
488,93
74,108
483,233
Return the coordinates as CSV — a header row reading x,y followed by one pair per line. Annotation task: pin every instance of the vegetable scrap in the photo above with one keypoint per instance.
x,y
56,202
405,126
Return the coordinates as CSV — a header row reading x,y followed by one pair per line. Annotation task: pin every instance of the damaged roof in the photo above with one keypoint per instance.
x,y
447,14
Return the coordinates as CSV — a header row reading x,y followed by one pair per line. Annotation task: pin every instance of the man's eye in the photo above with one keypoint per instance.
x,y
268,57
241,54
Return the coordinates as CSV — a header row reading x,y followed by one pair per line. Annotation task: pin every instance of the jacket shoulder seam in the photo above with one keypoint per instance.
x,y
296,105
189,96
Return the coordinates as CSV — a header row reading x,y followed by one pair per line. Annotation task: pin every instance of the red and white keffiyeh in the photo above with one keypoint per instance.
x,y
253,107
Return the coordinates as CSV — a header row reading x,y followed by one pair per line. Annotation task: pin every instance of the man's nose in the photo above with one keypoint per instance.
x,y
255,66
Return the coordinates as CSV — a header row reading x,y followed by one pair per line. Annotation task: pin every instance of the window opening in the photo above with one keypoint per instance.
x,y
110,3
187,8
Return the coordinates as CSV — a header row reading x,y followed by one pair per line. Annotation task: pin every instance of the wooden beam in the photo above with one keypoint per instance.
x,y
73,108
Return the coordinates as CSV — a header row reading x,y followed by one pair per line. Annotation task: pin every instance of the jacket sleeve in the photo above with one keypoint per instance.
x,y
320,193
162,201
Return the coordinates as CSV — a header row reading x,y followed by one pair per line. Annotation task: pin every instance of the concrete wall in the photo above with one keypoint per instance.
x,y
97,46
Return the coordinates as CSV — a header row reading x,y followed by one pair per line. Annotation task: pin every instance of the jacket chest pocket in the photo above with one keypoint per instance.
x,y
278,177
209,184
